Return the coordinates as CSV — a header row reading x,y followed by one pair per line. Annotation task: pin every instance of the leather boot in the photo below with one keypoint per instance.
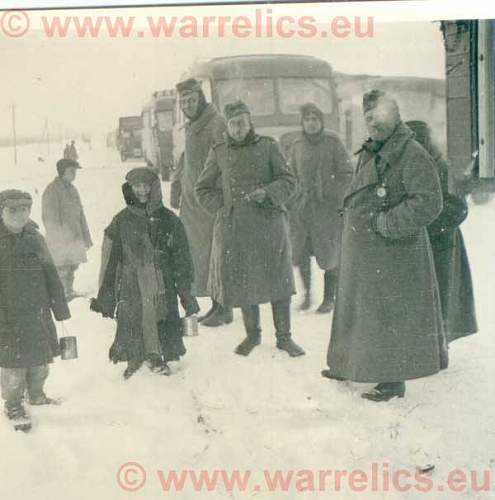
x,y
210,311
385,391
328,374
133,366
281,320
251,319
330,280
220,316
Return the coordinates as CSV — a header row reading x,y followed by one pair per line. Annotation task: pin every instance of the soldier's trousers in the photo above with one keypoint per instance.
x,y
281,319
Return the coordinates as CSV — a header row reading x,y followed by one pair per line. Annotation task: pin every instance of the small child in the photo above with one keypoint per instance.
x,y
146,268
29,290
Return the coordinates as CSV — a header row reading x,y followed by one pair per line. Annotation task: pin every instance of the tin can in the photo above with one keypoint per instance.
x,y
190,325
68,347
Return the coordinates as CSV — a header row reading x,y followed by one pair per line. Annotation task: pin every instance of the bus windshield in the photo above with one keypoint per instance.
x,y
294,92
257,93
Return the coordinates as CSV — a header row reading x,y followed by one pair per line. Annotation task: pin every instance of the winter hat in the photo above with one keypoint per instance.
x,y
234,109
15,198
371,98
141,174
308,108
64,164
188,86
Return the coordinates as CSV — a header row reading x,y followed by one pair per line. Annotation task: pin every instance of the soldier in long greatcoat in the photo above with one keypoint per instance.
x,y
449,252
387,324
204,128
324,170
245,185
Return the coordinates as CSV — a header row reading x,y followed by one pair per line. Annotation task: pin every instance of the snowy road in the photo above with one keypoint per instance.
x,y
221,411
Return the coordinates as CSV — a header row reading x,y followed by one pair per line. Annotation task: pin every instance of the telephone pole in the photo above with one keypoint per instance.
x,y
14,134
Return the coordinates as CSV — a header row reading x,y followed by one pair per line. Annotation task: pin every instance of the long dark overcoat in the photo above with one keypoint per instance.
x,y
324,171
120,287
451,262
30,290
251,259
387,323
201,134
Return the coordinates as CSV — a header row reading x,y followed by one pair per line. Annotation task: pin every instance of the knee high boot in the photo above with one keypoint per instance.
x,y
305,270
220,315
251,319
330,280
281,320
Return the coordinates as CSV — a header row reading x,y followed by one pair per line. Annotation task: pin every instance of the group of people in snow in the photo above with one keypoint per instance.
x,y
385,234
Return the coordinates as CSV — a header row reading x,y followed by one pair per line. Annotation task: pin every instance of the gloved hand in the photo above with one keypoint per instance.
x,y
258,195
96,307
190,304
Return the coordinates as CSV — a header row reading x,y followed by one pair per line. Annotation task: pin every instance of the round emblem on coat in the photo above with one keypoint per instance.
x,y
381,192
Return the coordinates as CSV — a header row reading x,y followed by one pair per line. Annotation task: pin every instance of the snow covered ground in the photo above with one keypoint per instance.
x,y
221,411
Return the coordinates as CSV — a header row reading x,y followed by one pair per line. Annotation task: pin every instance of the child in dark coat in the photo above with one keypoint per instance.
x,y
146,266
30,290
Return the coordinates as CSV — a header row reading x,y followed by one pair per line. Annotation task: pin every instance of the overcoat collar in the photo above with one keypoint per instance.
x,y
196,126
366,174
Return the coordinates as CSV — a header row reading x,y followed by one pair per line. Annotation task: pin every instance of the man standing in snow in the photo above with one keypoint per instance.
x,y
245,184
67,231
323,168
205,127
387,324
30,291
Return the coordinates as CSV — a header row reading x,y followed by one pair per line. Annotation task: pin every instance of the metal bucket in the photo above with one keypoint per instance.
x,y
190,325
68,347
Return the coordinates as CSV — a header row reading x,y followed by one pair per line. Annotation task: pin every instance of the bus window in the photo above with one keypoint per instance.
x,y
164,120
206,88
257,93
294,92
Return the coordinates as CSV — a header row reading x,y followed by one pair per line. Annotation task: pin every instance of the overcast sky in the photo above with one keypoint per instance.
x,y
85,84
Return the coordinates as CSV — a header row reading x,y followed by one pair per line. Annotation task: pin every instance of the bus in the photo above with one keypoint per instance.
x,y
274,86
129,137
158,121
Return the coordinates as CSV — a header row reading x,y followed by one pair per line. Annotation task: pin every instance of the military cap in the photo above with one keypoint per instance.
x,y
234,109
371,98
189,85
15,198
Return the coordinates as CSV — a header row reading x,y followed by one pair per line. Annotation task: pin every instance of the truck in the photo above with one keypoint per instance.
x,y
158,121
129,137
